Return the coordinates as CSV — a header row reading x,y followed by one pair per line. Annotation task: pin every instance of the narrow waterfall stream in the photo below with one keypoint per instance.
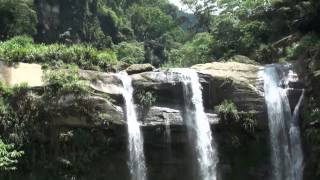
x,y
198,125
136,154
297,153
286,151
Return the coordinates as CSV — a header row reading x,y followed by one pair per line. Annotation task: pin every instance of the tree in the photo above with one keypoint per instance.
x,y
193,52
149,22
17,17
204,11
130,52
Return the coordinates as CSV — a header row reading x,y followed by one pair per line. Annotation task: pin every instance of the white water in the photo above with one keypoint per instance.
x,y
168,131
198,125
136,155
297,153
286,151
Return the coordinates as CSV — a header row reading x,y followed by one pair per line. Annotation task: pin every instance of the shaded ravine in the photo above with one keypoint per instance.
x,y
136,153
198,125
286,151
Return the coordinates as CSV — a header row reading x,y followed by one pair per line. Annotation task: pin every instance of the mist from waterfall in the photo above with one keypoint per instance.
x,y
286,150
136,154
198,125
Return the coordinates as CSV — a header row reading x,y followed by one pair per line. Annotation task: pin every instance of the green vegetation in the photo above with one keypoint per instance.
x,y
65,80
227,111
145,98
108,35
130,52
17,17
22,49
8,156
94,34
193,52
229,114
29,118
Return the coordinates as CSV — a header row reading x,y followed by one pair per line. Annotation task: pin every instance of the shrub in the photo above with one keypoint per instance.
x,y
8,156
65,81
22,49
145,98
248,121
227,111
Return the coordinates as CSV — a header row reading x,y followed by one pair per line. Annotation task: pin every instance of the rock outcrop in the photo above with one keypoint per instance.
x,y
231,80
139,68
21,73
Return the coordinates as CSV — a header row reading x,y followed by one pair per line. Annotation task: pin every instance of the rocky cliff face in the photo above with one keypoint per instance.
x,y
308,68
243,154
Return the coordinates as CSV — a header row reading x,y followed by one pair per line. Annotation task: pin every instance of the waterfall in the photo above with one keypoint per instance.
x,y
167,131
198,125
286,151
297,153
136,155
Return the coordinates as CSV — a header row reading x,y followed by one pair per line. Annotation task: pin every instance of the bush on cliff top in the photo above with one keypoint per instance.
x,y
23,49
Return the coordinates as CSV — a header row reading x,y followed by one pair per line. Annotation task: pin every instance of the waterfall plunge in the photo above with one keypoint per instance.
x,y
136,160
286,150
198,125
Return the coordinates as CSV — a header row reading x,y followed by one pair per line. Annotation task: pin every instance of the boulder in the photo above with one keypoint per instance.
x,y
101,82
139,68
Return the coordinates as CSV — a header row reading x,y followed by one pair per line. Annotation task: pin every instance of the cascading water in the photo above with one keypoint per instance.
x,y
136,160
168,131
297,153
198,124
286,151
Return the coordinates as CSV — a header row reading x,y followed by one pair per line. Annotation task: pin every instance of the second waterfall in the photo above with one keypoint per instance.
x,y
286,149
198,125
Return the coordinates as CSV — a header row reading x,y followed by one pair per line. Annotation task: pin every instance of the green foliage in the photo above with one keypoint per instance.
x,y
307,43
193,52
18,109
229,114
227,111
130,52
233,36
149,22
17,17
145,98
64,81
9,156
110,22
22,49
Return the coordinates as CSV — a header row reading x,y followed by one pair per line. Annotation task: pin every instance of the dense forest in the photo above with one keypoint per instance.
x,y
156,32
111,35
